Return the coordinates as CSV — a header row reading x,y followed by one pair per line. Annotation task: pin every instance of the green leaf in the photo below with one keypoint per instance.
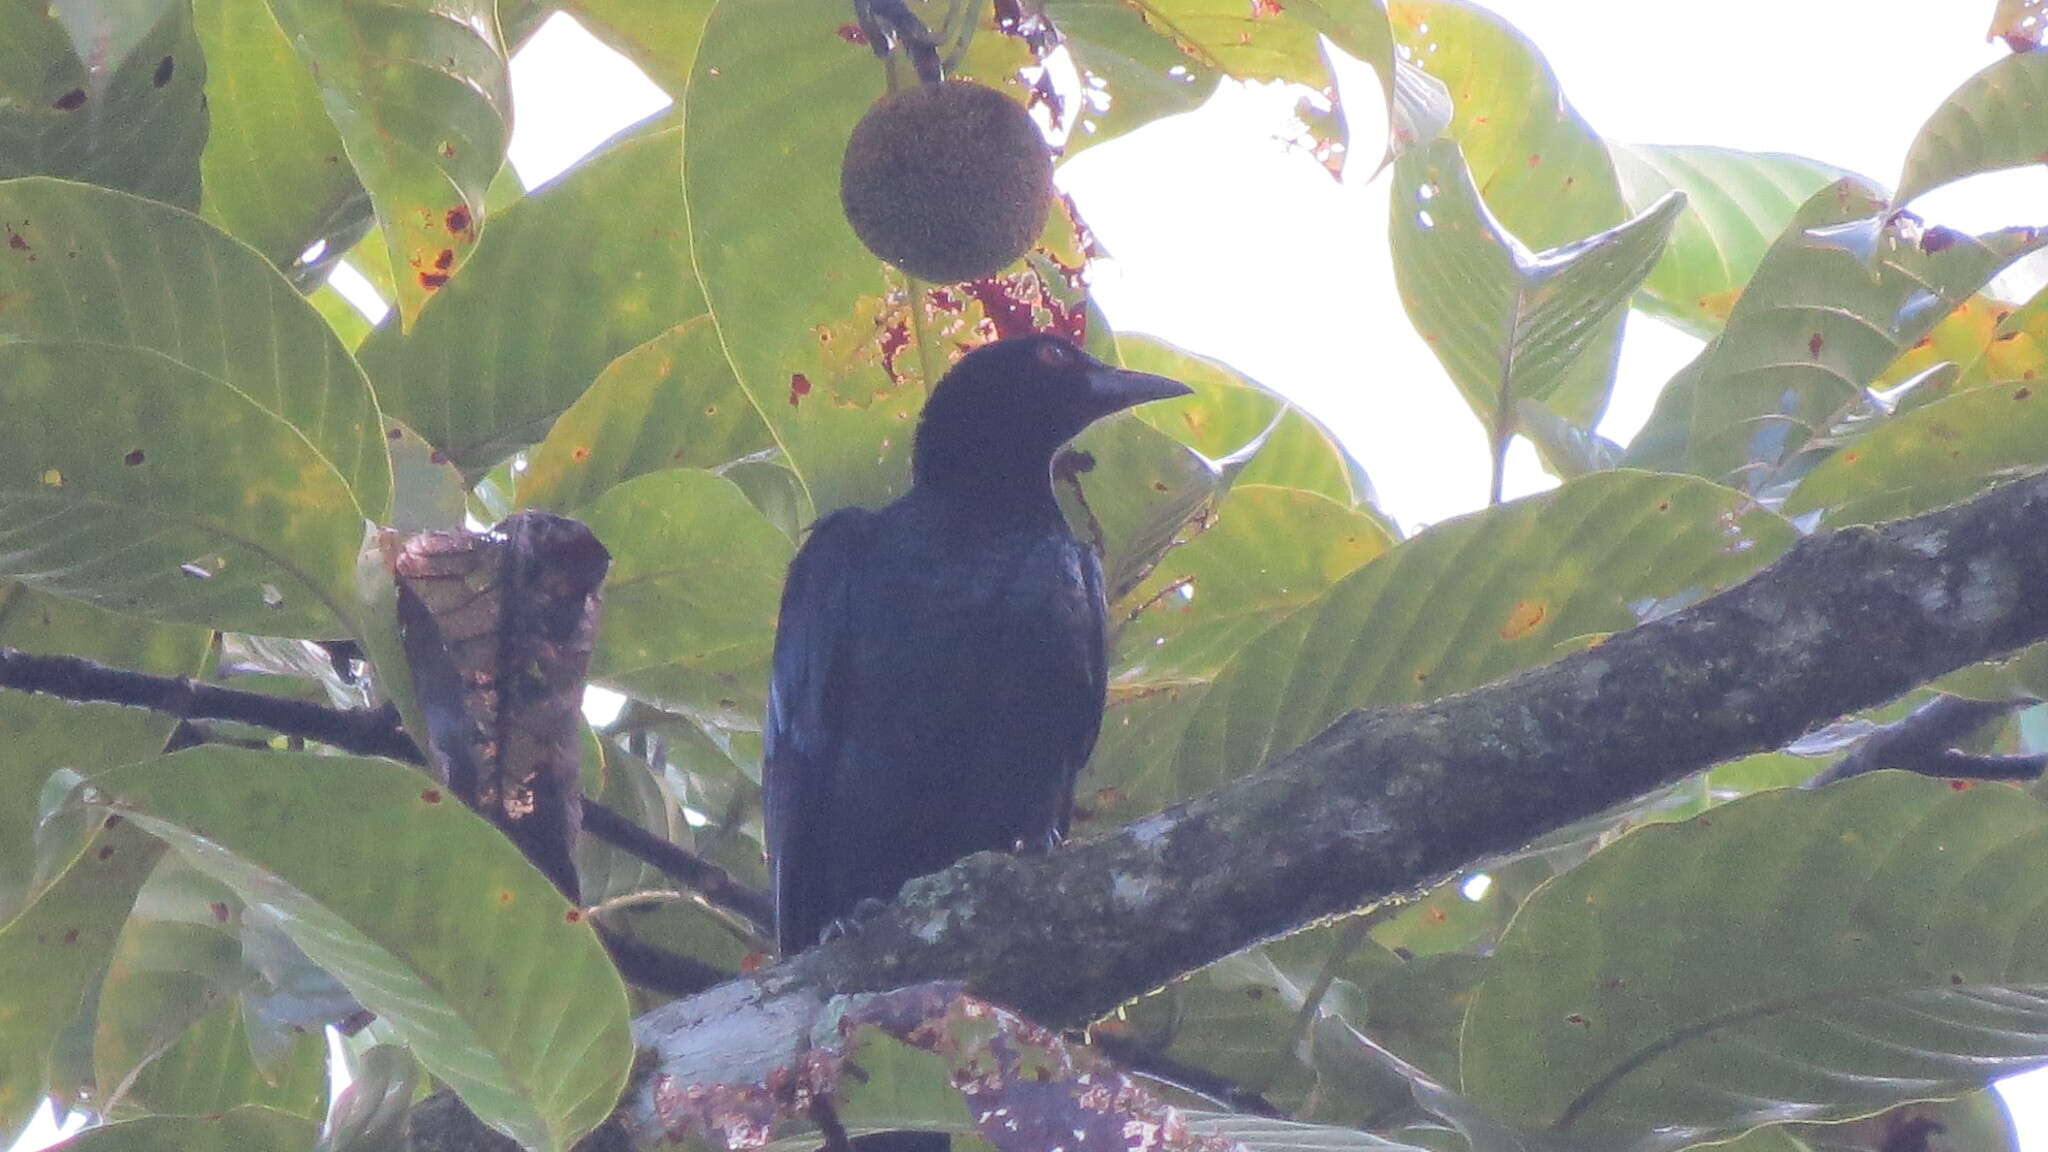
x,y
670,403
1264,1134
52,954
422,97
1934,455
253,1129
1509,324
211,1070
1469,601
661,36
276,174
1812,329
1735,204
1997,119
167,466
421,908
135,119
44,733
1229,411
1793,955
1546,175
689,614
1265,552
566,283
1114,47
2015,348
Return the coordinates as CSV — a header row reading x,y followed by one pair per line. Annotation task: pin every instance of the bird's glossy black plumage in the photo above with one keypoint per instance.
x,y
939,663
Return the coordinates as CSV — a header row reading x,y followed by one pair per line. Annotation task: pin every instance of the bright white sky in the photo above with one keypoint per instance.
x,y
1234,245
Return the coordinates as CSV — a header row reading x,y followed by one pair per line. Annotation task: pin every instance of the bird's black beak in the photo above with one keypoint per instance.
x,y
1115,389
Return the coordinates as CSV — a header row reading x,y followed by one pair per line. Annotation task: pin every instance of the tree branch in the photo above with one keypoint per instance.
x,y
1922,741
1390,801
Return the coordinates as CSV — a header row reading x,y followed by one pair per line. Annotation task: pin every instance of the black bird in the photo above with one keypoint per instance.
x,y
940,664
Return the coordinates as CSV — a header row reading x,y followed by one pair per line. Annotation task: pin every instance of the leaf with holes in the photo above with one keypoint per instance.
x,y
1546,174
670,403
1468,601
107,94
1735,204
1793,955
1998,119
1812,330
689,613
421,908
1934,455
276,173
566,283
421,93
165,465
1509,324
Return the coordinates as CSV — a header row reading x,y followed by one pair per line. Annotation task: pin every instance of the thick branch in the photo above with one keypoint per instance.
x,y
1386,802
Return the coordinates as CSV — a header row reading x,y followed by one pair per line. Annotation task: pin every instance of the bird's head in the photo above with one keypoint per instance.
x,y
998,416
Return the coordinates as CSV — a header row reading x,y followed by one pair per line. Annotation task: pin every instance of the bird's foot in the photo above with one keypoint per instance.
x,y
867,909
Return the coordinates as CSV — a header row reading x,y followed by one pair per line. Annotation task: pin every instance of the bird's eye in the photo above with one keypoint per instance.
x,y
1054,355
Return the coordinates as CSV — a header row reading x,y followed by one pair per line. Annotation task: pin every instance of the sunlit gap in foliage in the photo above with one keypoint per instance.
x,y
1476,887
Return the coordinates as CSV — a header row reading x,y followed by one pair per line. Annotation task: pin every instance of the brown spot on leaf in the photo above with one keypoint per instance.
x,y
458,219
433,280
219,908
2022,392
394,434
111,822
162,75
580,453
1535,158
1523,618
799,387
1576,1018
431,795
71,101
15,241
71,935
106,850
1266,8
445,259
573,915
1959,785
1814,344
132,458
852,34
1159,485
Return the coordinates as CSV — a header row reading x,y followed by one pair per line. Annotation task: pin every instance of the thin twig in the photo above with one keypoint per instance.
x,y
1923,741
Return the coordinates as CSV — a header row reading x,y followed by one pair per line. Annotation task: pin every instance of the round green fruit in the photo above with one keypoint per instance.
x,y
948,182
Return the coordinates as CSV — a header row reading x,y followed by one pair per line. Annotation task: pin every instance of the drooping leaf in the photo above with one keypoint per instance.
x,y
690,604
1997,119
1934,455
570,279
276,173
165,465
421,94
1736,203
669,403
1812,329
1509,324
1465,602
52,954
1659,995
421,908
106,94
44,734
1546,175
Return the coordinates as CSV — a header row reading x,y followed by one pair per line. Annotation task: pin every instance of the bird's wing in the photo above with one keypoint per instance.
x,y
1096,642
803,730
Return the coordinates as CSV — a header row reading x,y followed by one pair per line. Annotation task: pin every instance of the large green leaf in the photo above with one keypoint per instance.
x,y
689,614
52,954
211,1070
133,119
422,909
1997,119
1931,456
276,173
1546,174
253,1129
166,462
1509,324
1466,602
567,282
1794,955
1736,203
1812,329
1229,411
669,403
44,734
421,93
